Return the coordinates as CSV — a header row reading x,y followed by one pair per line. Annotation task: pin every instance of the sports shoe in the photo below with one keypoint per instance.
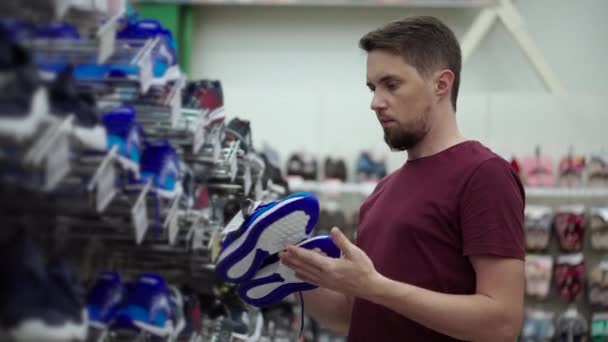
x,y
572,326
177,311
165,66
193,316
570,227
599,326
538,222
38,302
125,132
538,326
369,169
275,281
269,229
538,269
160,164
598,225
67,100
238,129
570,276
104,299
23,100
537,170
147,307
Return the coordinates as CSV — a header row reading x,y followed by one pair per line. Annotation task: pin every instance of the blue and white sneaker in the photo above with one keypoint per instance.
x,y
165,64
147,307
267,231
125,132
160,164
177,312
275,281
104,299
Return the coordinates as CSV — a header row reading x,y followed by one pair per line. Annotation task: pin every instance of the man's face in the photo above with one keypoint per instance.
x,y
402,99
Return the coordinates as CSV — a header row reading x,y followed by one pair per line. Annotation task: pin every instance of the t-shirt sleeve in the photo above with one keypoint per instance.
x,y
492,212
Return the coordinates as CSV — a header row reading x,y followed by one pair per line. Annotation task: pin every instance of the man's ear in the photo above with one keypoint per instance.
x,y
443,82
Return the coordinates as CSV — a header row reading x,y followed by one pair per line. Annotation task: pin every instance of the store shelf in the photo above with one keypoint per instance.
x,y
581,192
340,3
365,189
332,187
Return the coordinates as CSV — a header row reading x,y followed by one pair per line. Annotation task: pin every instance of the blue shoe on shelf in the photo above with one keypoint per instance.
x,y
275,281
160,164
147,307
104,299
269,229
125,132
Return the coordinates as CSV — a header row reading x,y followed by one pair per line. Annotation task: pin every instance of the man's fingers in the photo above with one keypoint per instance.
x,y
341,241
307,257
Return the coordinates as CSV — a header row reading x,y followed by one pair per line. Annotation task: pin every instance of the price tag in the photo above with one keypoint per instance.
x,y
234,169
171,222
107,41
106,187
145,72
176,105
258,188
57,162
217,147
139,215
247,180
199,138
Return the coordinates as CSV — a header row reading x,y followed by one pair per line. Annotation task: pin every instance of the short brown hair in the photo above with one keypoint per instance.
x,y
424,42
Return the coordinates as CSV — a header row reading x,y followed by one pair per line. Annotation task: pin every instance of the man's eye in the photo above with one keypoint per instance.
x,y
392,85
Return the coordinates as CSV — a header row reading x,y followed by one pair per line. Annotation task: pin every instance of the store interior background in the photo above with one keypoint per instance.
x,y
299,76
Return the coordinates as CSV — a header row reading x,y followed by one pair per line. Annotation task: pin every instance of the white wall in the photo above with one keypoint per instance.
x,y
298,74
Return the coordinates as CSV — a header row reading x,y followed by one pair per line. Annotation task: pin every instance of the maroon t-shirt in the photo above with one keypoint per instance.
x,y
422,223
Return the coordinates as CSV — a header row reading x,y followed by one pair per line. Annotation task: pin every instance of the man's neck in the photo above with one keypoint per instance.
x,y
441,136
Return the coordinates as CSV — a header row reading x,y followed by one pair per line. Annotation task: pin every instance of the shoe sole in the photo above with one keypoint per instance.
x,y
276,281
24,127
288,222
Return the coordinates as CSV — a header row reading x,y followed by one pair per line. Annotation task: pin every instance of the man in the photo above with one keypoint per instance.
x,y
440,249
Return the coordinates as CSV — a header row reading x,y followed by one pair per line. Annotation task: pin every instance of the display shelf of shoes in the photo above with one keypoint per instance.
x,y
340,3
567,192
365,189
336,187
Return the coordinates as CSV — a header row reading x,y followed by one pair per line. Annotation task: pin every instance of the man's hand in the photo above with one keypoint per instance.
x,y
353,274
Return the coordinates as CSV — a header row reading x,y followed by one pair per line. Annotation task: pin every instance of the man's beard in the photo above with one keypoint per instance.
x,y
400,140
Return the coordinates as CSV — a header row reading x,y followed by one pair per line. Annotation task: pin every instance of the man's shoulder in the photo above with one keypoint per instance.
x,y
477,156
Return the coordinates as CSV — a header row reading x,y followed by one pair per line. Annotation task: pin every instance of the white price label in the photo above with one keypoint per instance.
x,y
145,72
139,216
176,106
247,180
234,169
57,162
258,188
173,229
106,187
199,138
107,41
171,222
217,148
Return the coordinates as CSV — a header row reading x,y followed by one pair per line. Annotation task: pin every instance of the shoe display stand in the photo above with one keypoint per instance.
x,y
105,208
553,302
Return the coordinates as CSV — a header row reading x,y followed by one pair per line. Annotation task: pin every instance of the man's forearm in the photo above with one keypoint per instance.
x,y
467,317
330,308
